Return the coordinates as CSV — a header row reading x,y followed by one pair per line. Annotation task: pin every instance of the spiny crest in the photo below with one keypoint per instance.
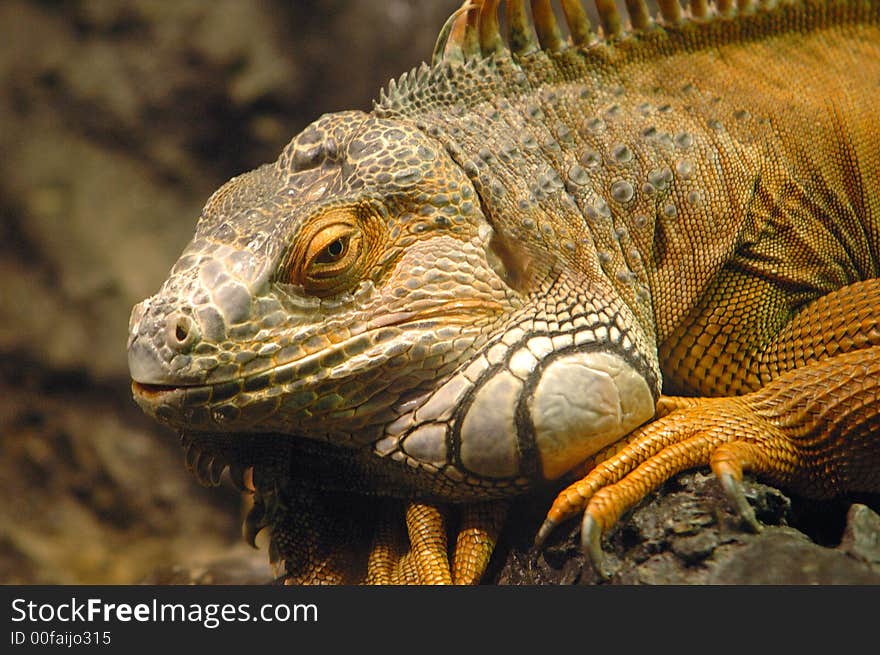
x,y
473,31
471,40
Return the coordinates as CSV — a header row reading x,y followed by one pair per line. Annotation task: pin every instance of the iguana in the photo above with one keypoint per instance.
x,y
607,253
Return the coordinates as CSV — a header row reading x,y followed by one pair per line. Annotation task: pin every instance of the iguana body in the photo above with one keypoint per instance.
x,y
488,282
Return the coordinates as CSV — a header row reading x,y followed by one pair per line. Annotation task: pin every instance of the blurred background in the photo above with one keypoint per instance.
x,y
117,121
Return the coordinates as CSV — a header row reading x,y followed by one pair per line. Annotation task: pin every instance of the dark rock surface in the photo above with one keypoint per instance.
x,y
117,121
687,533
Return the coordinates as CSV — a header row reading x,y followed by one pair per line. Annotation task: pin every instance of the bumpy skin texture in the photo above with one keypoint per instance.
x,y
487,283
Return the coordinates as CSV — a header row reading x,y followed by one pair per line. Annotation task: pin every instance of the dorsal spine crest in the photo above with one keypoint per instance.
x,y
471,54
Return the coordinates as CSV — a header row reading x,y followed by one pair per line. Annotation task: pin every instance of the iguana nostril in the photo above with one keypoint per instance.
x,y
181,331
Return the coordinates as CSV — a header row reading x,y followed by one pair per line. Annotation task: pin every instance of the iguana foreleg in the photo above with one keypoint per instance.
x,y
810,429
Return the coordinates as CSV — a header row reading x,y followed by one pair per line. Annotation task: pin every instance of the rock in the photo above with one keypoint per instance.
x,y
785,556
687,533
861,539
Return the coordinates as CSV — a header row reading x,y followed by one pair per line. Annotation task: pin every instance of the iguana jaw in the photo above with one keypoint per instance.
x,y
521,409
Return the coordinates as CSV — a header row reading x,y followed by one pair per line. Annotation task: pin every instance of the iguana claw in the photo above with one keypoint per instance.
x,y
733,489
591,545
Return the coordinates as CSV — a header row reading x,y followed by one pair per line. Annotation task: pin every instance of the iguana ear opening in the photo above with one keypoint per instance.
x,y
508,264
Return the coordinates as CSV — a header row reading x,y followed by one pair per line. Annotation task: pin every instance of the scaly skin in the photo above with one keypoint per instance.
x,y
487,283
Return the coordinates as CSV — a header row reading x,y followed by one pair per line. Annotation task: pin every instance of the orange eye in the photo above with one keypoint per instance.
x,y
331,261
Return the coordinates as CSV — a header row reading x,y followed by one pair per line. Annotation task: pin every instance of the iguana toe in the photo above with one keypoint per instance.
x,y
478,533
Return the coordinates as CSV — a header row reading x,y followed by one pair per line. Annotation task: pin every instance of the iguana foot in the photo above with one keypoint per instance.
x,y
724,433
477,535
805,430
420,559
423,558
334,538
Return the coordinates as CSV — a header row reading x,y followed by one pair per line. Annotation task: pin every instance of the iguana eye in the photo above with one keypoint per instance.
x,y
331,261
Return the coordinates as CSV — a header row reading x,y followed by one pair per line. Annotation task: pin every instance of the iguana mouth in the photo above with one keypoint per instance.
x,y
227,403
149,390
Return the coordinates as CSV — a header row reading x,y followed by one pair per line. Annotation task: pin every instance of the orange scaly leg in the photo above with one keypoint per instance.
x,y
813,429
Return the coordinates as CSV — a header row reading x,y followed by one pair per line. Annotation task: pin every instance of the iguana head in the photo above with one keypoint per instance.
x,y
322,293
359,293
